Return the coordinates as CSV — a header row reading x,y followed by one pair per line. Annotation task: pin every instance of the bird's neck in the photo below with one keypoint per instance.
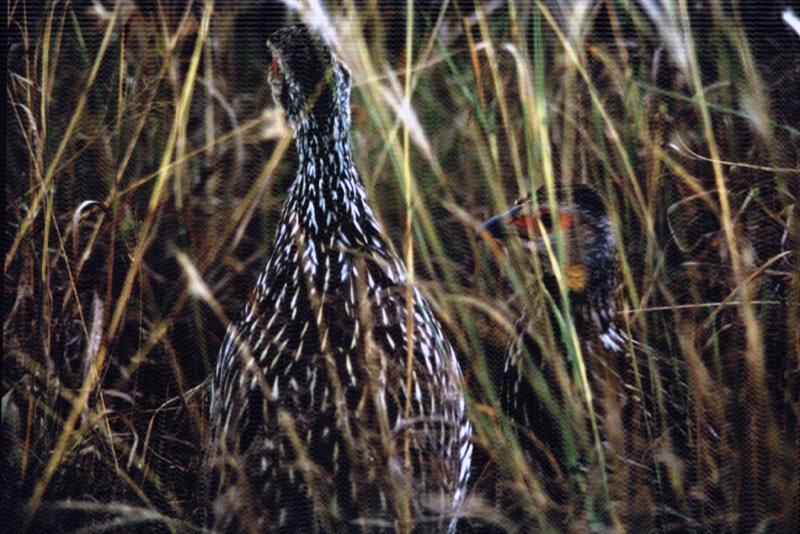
x,y
595,308
318,135
591,292
327,200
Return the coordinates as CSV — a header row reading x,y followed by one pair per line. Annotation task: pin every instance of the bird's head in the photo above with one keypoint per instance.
x,y
580,221
307,77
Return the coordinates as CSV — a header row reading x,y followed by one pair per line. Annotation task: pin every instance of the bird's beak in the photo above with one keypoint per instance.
x,y
514,222
496,227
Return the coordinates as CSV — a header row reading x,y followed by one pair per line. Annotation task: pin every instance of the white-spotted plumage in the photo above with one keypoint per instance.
x,y
319,434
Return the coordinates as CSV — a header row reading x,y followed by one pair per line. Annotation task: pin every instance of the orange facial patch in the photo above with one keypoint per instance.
x,y
523,222
565,221
274,67
528,223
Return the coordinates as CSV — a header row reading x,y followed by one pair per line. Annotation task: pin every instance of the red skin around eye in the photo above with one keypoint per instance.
x,y
274,66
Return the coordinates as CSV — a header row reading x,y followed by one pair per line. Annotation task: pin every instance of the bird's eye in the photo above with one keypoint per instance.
x,y
274,67
547,220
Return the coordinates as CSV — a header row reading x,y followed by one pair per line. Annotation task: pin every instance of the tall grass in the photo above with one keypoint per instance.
x,y
147,165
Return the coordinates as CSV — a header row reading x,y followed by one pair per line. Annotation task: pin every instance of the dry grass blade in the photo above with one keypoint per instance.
x,y
147,167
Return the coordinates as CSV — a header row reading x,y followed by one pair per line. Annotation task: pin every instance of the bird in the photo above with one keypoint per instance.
x,y
337,401
572,237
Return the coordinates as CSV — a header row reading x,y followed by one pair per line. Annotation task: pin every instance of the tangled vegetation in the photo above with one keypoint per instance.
x,y
146,166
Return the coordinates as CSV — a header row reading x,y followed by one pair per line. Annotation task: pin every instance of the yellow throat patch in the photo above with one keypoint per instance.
x,y
577,277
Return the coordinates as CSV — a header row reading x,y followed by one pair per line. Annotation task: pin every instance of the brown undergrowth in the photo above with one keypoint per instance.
x,y
146,167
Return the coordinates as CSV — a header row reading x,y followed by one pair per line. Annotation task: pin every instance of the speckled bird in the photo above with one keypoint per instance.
x,y
577,221
337,401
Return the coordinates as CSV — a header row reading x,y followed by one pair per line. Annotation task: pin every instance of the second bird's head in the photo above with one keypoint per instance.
x,y
578,218
308,80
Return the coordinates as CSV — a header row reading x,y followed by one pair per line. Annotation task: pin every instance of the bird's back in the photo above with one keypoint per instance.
x,y
322,417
